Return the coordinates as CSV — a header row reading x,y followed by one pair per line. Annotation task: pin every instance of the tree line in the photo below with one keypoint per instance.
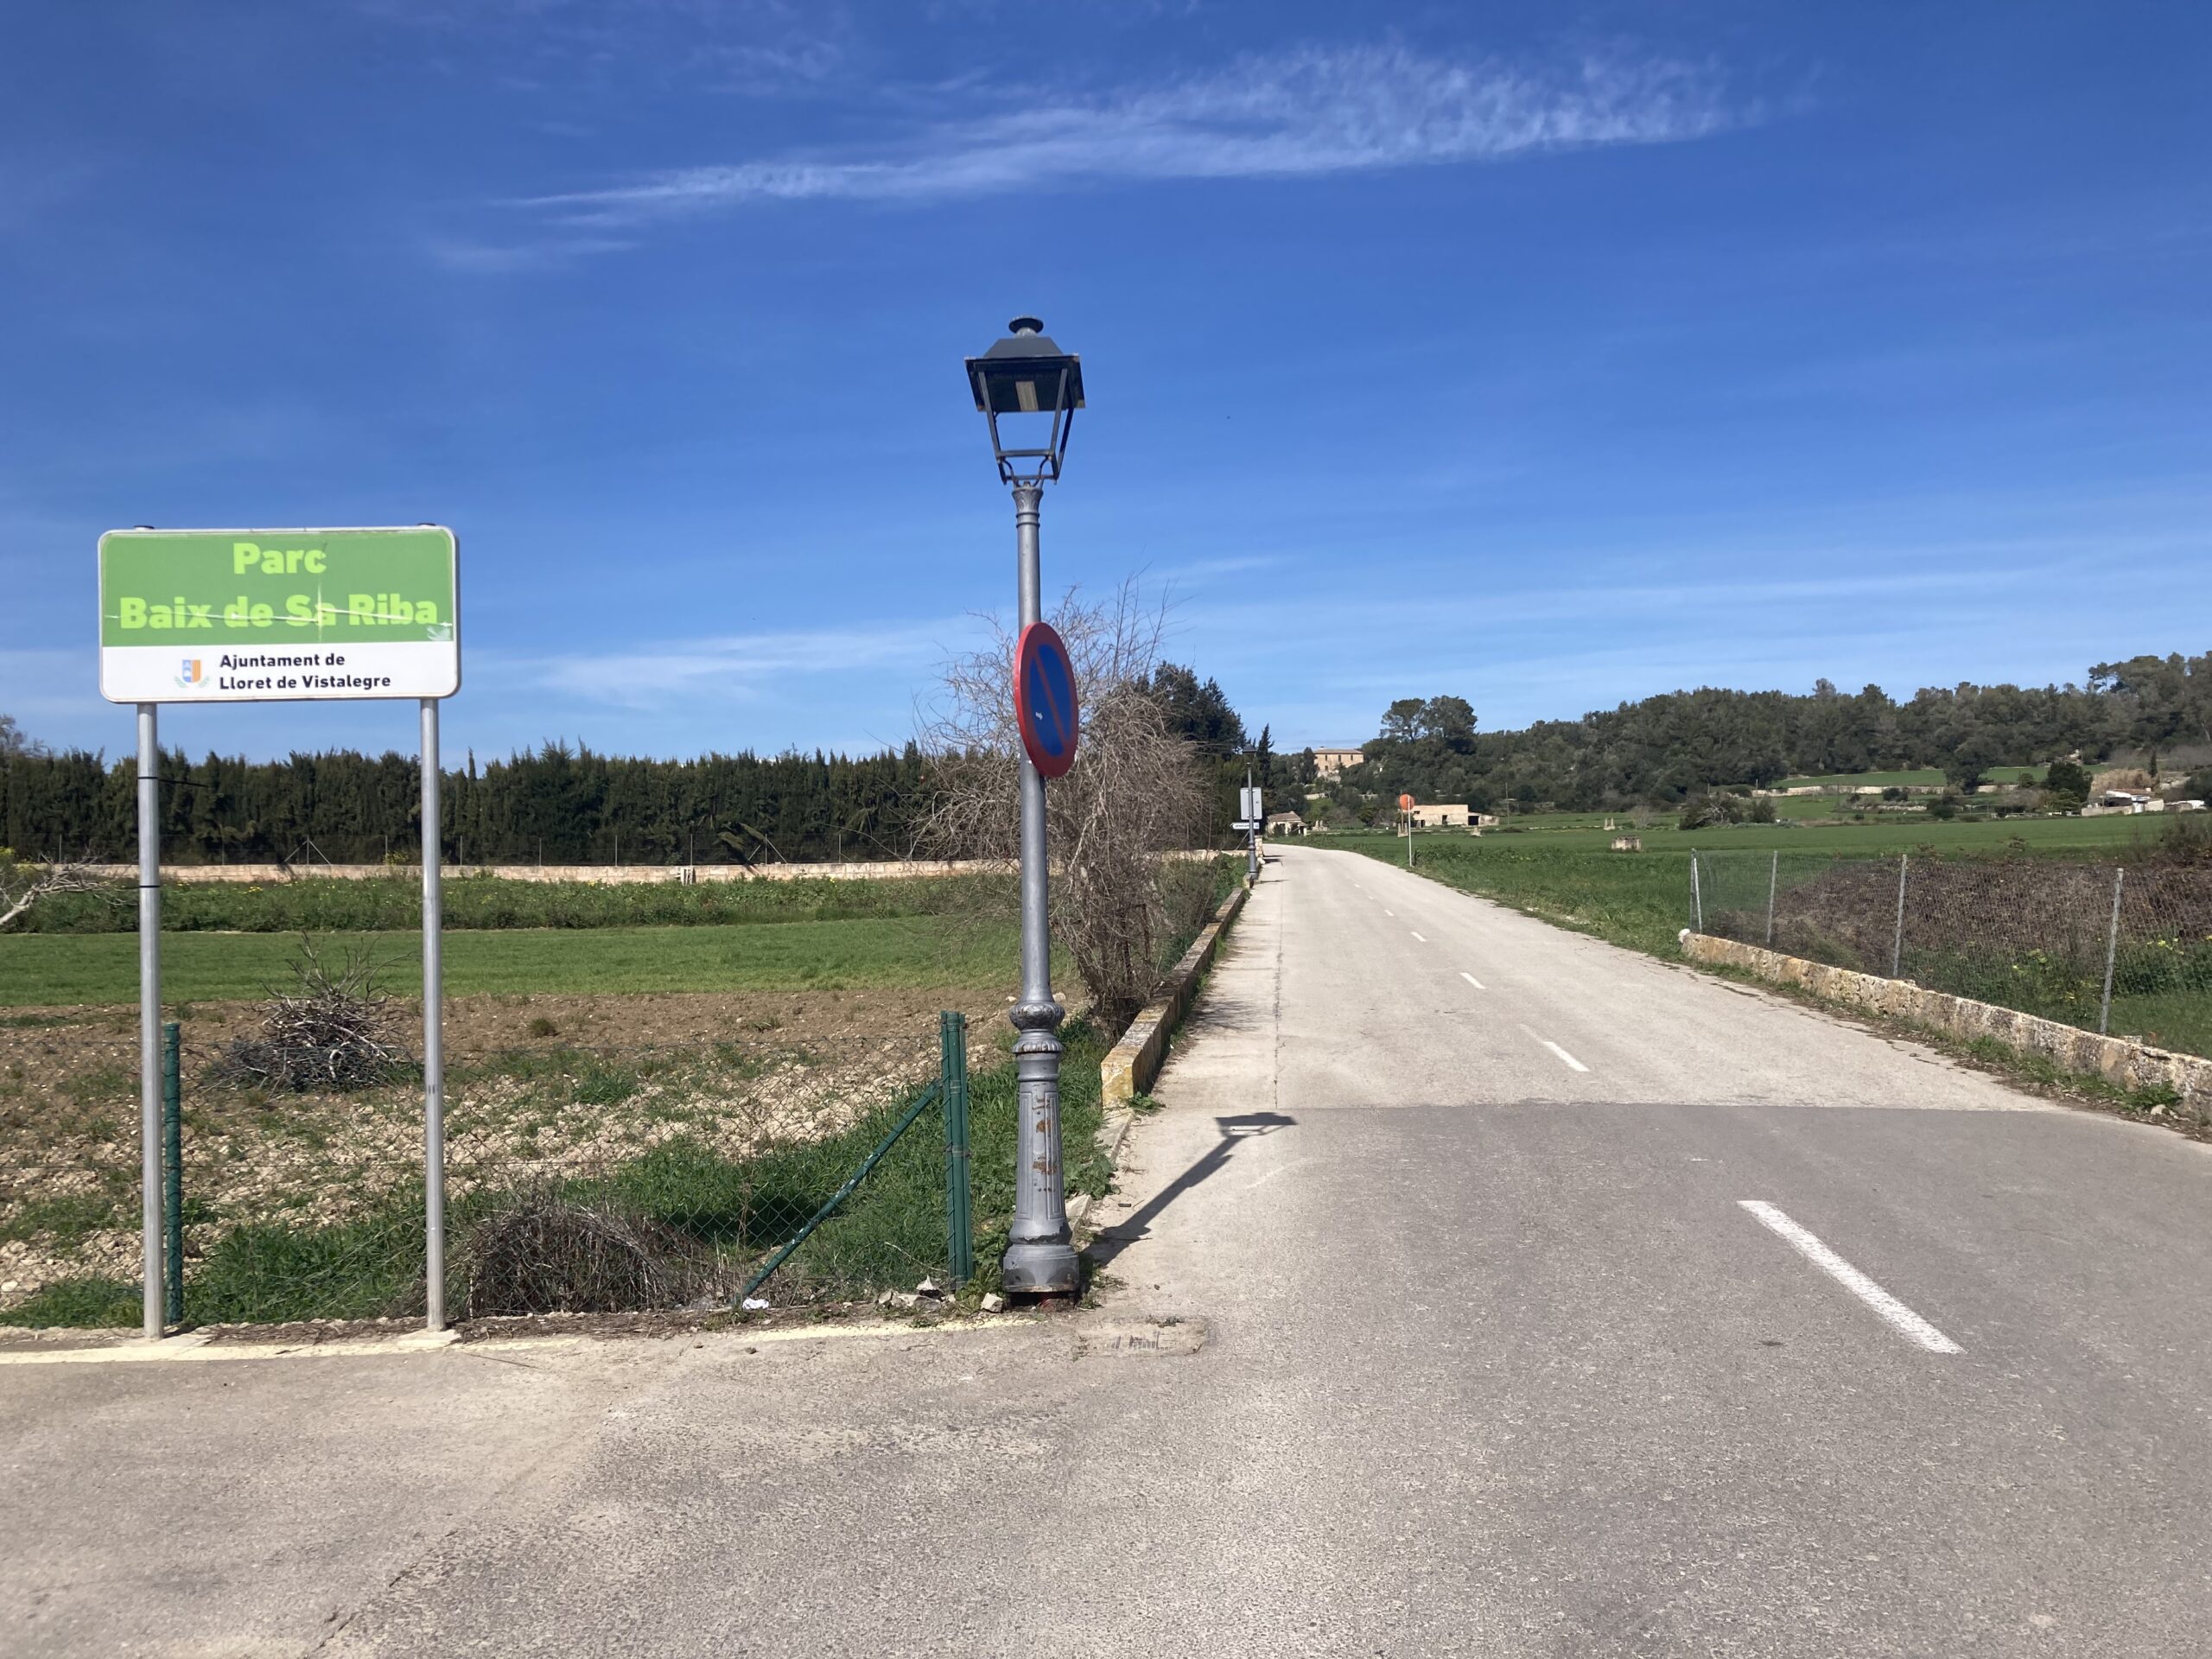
x,y
559,804
1664,749
569,806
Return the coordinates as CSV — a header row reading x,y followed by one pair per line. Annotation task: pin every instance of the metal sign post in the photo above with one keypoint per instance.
x,y
149,1009
269,616
1252,813
434,1031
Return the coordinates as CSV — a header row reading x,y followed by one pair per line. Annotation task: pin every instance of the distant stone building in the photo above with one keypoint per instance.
x,y
1449,816
1285,824
1331,760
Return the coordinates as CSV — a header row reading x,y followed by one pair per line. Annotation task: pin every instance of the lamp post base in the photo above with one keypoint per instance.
x,y
1040,1258
1041,1268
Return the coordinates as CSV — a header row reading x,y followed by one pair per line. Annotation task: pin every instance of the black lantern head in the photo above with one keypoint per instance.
x,y
1026,374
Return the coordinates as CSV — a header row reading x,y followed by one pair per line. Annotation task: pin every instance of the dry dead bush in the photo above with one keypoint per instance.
x,y
1136,792
23,885
542,1253
335,1029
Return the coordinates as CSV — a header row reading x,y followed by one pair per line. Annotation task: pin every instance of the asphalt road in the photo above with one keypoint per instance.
x,y
1437,1322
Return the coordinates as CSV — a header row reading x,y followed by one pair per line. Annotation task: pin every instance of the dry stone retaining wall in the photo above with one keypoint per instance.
x,y
2123,1063
1132,1064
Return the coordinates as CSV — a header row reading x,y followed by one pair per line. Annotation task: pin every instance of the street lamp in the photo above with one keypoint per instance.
x,y
1039,387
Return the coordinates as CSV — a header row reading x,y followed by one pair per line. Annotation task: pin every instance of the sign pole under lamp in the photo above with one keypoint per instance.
x,y
1028,377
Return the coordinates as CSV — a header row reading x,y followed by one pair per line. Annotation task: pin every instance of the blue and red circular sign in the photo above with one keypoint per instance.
x,y
1044,699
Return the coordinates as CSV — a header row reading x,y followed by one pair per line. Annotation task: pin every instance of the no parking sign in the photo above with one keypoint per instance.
x,y
1044,700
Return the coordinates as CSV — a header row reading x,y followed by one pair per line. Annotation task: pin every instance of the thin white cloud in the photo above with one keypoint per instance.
x,y
1303,114
733,666
548,253
753,47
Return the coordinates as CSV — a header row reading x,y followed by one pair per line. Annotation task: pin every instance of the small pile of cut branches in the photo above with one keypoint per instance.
x,y
333,1029
542,1252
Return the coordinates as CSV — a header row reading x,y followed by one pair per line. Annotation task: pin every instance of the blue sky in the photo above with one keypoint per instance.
x,y
1547,355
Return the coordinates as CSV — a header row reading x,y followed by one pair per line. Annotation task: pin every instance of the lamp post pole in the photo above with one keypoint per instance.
x,y
1040,1257
1025,378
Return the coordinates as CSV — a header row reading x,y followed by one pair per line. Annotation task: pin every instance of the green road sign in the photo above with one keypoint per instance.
x,y
261,616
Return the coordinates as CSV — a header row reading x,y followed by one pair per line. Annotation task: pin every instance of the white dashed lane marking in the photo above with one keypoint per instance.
x,y
1900,1318
1573,1064
1566,1058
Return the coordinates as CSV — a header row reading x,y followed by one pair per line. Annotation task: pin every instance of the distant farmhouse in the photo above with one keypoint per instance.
x,y
1285,824
1331,760
2129,800
1450,815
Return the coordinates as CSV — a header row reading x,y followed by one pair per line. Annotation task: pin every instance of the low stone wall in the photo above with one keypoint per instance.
x,y
2123,1063
1130,1066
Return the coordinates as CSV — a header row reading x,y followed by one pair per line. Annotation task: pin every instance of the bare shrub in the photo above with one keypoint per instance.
x,y
336,1030
1134,792
542,1253
23,885
2185,840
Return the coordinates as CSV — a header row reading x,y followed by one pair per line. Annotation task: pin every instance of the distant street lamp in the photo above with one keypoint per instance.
x,y
1026,375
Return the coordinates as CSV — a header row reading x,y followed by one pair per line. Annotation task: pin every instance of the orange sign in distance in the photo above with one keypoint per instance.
x,y
1406,802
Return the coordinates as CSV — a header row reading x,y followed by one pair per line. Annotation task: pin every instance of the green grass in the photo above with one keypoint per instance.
x,y
325,905
1569,875
1920,777
1638,899
2101,838
1924,777
68,1217
56,969
87,1301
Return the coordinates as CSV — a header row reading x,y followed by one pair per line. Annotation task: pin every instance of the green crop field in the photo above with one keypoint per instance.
x,y
1640,900
1923,778
48,969
1561,868
2105,838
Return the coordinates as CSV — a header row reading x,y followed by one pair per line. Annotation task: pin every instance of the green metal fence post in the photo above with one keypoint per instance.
x,y
923,1102
172,1175
952,1053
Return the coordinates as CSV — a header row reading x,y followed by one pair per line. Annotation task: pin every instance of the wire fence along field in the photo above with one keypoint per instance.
x,y
2126,950
580,1177
607,1148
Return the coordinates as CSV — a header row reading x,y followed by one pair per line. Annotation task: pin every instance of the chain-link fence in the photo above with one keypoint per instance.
x,y
583,1175
2126,950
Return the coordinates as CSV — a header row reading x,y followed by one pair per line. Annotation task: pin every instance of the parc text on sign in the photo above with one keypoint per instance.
x,y
247,615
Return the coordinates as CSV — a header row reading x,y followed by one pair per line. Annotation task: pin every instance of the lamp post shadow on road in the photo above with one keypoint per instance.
x,y
1027,382
1112,1241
